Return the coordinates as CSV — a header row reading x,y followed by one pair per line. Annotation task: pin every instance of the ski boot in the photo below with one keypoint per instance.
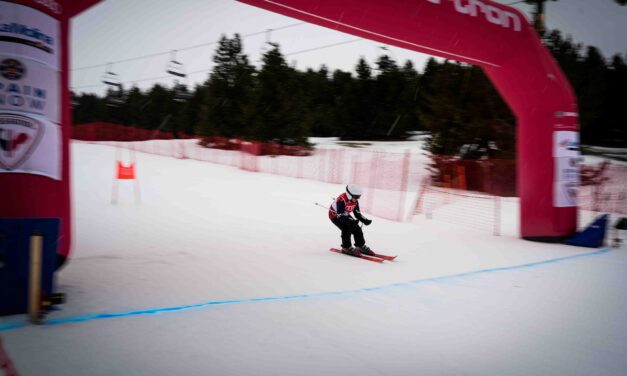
x,y
364,249
352,251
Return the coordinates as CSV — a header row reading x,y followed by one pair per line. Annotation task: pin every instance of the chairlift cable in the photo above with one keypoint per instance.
x,y
183,49
209,69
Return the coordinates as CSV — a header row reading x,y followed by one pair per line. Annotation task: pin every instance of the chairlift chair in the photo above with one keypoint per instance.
x,y
175,68
110,78
115,101
180,92
116,97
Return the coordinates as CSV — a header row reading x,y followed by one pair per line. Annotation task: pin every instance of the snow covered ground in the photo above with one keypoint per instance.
x,y
224,272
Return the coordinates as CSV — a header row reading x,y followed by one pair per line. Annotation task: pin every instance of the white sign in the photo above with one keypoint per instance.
x,y
30,144
29,86
565,194
566,174
30,33
566,144
566,181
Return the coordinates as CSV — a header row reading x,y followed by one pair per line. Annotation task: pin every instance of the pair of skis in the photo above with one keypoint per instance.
x,y
375,258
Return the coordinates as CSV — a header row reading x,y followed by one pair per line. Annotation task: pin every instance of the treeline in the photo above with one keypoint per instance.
x,y
454,102
600,86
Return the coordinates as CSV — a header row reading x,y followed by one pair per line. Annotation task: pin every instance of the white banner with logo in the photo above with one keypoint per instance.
x,y
30,92
30,144
27,32
29,86
566,158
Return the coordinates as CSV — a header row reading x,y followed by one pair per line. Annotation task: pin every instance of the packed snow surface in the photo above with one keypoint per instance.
x,y
219,271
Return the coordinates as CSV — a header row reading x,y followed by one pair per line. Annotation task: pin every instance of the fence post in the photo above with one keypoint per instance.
x,y
353,168
339,172
497,216
373,179
403,187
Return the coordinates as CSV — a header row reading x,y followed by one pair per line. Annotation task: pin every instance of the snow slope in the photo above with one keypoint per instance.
x,y
224,272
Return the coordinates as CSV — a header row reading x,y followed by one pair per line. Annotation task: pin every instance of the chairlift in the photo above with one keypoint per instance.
x,y
110,78
180,92
115,99
175,68
115,93
116,96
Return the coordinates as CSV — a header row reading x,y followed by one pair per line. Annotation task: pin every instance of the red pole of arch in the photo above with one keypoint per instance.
x,y
499,39
35,122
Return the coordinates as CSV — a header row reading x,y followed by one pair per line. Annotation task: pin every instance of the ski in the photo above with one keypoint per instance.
x,y
385,257
369,258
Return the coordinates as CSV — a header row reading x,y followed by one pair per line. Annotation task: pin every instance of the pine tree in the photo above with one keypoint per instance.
x,y
358,103
343,119
279,103
592,98
616,93
319,98
389,88
158,109
229,95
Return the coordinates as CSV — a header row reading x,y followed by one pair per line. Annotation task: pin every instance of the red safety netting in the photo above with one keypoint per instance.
x,y
603,190
116,132
493,176
388,178
400,184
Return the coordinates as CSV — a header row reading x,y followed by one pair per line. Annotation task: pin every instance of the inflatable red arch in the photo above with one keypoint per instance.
x,y
34,34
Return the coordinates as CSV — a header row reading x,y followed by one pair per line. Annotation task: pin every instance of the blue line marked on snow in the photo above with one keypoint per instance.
x,y
156,311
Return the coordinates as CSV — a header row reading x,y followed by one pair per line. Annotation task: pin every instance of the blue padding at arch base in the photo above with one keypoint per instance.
x,y
592,236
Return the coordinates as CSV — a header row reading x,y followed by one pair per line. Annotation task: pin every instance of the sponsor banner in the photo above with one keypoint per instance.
x,y
29,144
30,33
566,144
565,194
566,181
29,86
566,161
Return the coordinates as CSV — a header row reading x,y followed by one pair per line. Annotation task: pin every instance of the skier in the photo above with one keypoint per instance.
x,y
339,214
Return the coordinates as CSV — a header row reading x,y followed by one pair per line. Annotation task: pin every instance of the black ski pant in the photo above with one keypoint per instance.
x,y
349,227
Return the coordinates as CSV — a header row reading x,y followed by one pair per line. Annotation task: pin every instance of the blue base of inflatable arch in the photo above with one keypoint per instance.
x,y
592,236
15,237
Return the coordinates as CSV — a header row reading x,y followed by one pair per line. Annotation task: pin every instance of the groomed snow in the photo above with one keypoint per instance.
x,y
224,272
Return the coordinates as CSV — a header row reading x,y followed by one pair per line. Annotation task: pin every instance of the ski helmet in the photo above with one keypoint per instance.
x,y
353,191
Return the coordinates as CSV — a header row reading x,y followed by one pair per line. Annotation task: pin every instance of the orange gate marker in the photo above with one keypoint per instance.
x,y
125,172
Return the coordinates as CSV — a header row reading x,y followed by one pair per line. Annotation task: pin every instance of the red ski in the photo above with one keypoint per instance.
x,y
369,258
385,257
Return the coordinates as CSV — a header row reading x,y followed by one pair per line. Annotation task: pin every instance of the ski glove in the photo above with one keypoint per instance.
x,y
366,221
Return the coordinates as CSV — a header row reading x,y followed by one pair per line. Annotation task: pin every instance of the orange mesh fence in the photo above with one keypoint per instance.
x,y
386,177
493,176
100,131
603,190
459,191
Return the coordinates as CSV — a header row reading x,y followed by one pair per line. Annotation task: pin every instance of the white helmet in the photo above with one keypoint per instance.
x,y
353,190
